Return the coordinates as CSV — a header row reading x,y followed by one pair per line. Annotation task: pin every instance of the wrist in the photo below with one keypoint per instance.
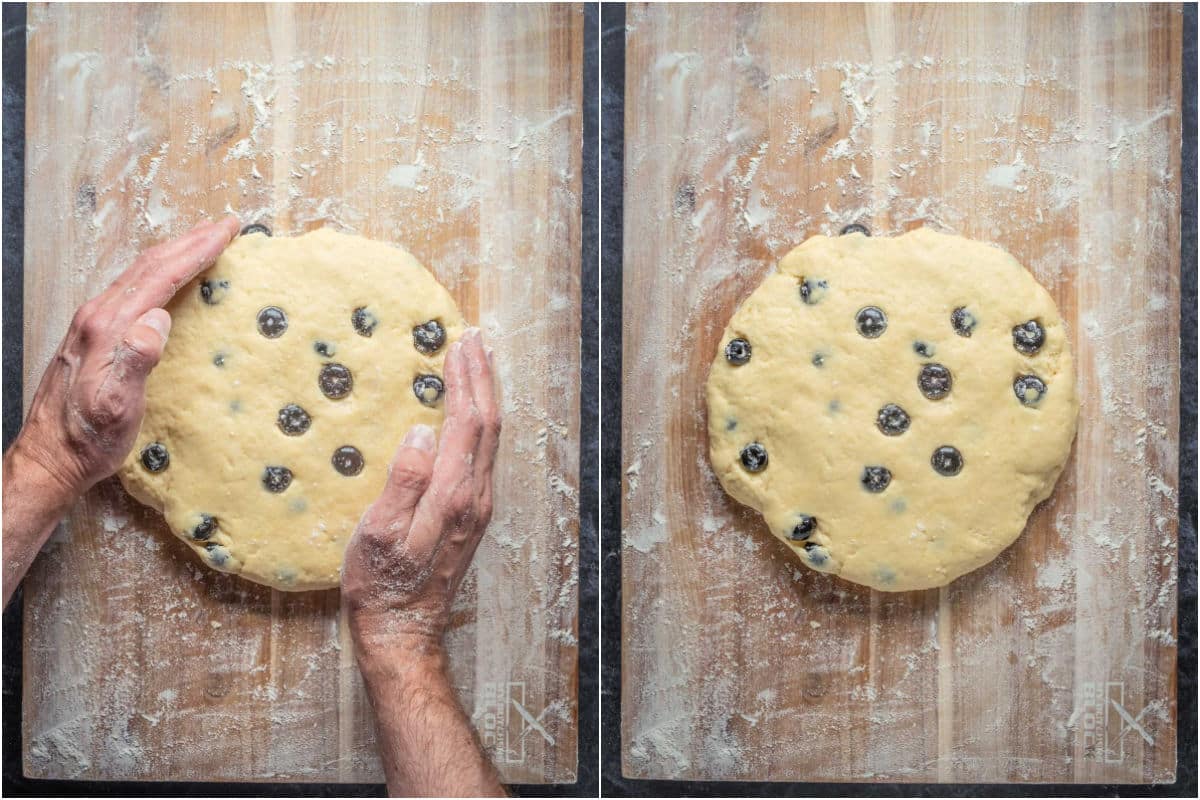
x,y
403,658
29,469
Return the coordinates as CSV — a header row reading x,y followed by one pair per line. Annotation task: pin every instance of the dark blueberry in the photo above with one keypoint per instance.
x,y
255,228
737,352
803,529
854,227
219,359
946,460
217,554
213,291
155,457
428,337
892,420
818,359
428,389
934,381
871,322
963,321
754,457
812,290
1028,337
335,381
364,321
326,349
272,322
276,479
923,349
876,479
1029,389
205,528
730,424
293,420
347,460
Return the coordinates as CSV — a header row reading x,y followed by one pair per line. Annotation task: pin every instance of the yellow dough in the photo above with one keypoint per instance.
x,y
813,387
214,402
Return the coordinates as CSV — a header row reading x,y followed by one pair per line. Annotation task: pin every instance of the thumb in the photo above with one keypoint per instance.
x,y
142,346
409,474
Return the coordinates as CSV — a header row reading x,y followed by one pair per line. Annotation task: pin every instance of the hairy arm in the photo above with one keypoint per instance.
x,y
403,566
427,744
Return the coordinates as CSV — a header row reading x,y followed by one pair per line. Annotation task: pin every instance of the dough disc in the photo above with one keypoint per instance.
x,y
286,353
842,381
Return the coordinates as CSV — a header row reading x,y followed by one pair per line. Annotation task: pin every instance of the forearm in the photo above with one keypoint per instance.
x,y
34,502
425,739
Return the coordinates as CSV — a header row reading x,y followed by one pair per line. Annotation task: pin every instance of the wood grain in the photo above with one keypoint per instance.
x,y
454,130
1051,130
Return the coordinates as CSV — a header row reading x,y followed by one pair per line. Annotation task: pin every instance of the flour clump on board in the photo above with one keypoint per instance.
x,y
886,468
264,456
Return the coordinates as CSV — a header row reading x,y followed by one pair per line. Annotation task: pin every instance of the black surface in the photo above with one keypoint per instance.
x,y
613,783
14,783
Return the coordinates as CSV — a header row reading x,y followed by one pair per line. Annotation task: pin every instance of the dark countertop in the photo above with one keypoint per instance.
x,y
14,783
614,784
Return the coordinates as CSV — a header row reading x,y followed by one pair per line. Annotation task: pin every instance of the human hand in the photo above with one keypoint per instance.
x,y
409,553
89,405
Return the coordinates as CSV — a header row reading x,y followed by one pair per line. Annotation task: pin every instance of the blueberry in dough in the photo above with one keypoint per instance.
x,y
364,321
272,322
428,337
324,349
934,381
155,457
1029,389
204,529
876,479
1028,337
335,381
217,555
428,389
347,460
754,457
803,529
220,358
255,228
946,460
855,227
962,321
816,554
737,352
923,349
892,420
213,291
293,420
871,322
818,359
276,479
812,290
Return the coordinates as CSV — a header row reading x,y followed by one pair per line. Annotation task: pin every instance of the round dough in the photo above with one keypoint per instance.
x,y
813,388
214,401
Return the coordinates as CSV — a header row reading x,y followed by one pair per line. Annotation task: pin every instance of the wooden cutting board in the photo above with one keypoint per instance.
x,y
1053,131
454,130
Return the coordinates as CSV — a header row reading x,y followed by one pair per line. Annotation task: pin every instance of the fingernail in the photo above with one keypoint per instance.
x,y
159,320
420,437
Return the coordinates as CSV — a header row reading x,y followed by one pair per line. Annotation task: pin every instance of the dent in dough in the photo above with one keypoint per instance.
x,y
215,399
813,388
